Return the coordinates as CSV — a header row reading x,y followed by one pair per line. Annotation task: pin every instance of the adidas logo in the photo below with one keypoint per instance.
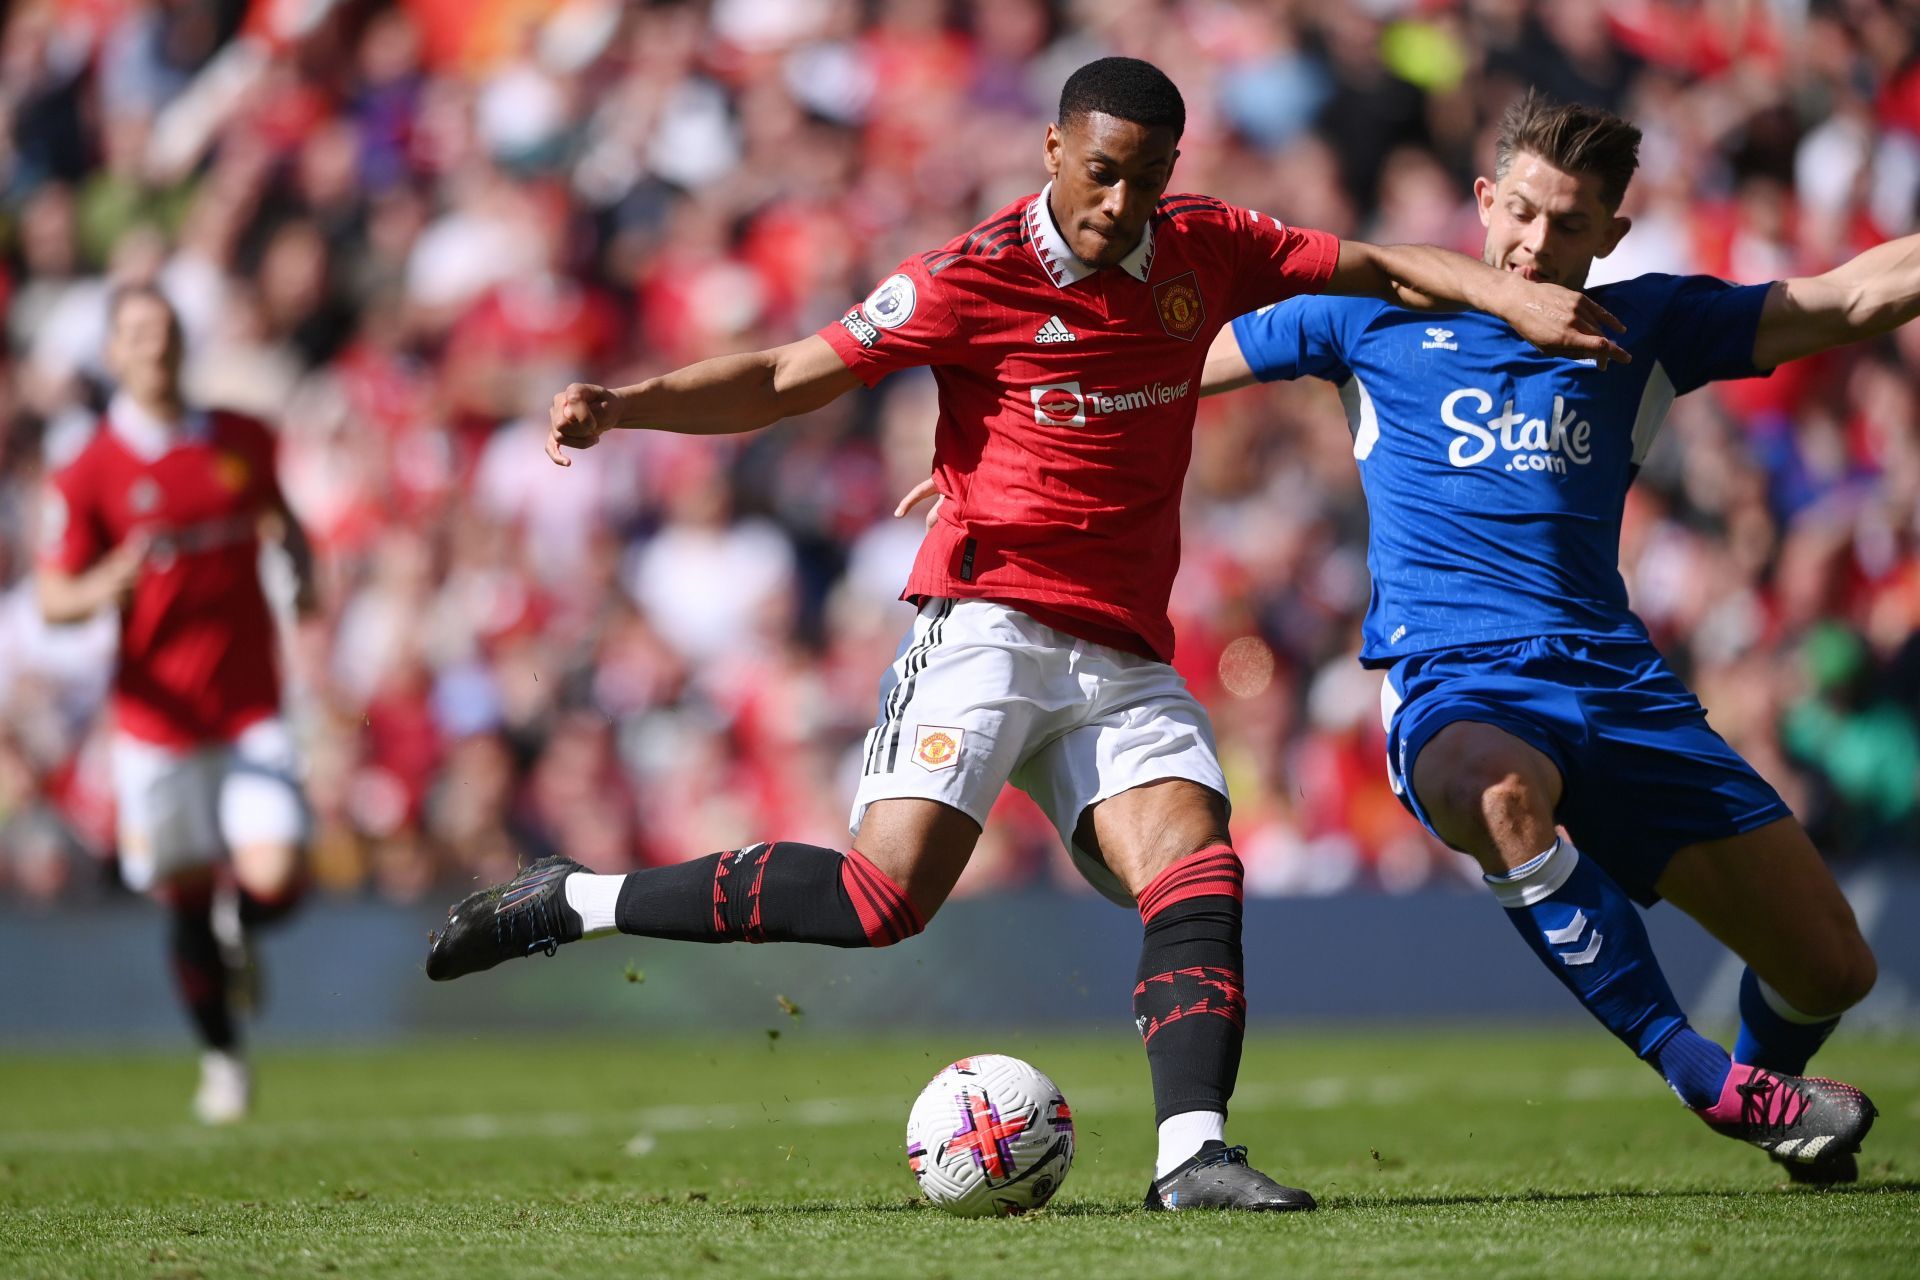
x,y
1054,331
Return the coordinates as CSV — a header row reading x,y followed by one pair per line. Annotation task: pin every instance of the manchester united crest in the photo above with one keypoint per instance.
x,y
937,746
232,471
1178,301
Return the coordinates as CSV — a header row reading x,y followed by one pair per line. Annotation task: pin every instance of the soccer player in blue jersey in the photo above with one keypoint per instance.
x,y
1522,696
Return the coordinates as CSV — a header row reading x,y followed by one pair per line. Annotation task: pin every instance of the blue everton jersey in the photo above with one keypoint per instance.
x,y
1495,476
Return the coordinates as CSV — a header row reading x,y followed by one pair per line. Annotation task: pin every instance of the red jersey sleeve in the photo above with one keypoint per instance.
x,y
71,534
909,320
1278,261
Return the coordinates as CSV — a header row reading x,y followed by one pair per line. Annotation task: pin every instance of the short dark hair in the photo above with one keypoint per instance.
x,y
132,290
1126,89
1572,138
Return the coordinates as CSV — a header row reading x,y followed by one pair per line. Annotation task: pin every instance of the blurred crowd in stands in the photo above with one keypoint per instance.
x,y
394,230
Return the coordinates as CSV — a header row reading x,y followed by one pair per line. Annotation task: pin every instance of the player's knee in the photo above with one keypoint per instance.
x,y
902,928
1490,795
1845,979
1828,983
269,870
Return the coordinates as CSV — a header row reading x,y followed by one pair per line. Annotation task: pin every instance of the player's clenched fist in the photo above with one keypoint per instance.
x,y
578,417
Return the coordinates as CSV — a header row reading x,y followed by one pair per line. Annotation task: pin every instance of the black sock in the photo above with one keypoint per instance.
x,y
769,893
1190,1005
199,973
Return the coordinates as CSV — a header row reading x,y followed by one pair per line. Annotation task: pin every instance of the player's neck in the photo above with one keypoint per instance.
x,y
166,410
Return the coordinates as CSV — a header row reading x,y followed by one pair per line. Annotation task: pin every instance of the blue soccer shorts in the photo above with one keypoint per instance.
x,y
1644,775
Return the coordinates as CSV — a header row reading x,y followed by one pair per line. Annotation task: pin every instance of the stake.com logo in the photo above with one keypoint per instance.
x,y
1063,404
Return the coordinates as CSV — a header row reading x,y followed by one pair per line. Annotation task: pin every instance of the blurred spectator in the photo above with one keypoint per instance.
x,y
397,229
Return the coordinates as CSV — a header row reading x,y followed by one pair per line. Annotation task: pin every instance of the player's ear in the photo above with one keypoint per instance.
x,y
1616,231
1484,190
1053,148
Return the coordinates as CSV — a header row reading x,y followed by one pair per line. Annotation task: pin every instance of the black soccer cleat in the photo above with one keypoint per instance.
x,y
1812,1126
528,913
1219,1177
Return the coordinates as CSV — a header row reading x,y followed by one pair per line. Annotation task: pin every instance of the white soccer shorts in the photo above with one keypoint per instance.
x,y
185,807
981,695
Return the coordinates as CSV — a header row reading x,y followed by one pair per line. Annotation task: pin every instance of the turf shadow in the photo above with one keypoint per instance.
x,y
1584,1197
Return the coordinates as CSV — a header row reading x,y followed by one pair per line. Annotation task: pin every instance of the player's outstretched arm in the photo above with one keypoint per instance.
x,y
74,597
722,396
1872,294
1561,322
1226,368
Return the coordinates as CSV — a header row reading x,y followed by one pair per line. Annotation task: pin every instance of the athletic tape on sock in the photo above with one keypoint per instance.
x,y
1537,879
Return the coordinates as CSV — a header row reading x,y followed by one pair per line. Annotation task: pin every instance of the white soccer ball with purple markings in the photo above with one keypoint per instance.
x,y
990,1135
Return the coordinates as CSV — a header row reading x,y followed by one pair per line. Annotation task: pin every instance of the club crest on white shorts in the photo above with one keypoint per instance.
x,y
937,746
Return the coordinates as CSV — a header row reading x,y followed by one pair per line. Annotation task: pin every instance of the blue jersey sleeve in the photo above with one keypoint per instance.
x,y
1707,330
1299,338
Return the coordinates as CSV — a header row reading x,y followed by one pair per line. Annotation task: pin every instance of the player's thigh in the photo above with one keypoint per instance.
x,y
166,801
262,813
1768,895
1136,787
921,845
1143,830
1485,790
973,686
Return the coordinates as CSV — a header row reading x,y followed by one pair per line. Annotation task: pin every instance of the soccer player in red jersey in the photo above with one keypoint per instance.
x,y
1066,334
160,517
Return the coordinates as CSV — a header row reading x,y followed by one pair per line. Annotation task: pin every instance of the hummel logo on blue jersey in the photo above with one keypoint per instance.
x,y
1054,331
1440,340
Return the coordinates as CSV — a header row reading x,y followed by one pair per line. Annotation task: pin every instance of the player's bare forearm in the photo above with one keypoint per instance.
x,y
293,539
66,598
1226,368
1562,322
726,395
1872,294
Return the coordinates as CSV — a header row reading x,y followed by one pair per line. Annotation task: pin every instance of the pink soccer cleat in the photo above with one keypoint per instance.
x,y
1812,1126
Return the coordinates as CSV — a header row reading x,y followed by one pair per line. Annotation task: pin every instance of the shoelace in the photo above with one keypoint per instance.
x,y
1768,1103
535,912
1226,1155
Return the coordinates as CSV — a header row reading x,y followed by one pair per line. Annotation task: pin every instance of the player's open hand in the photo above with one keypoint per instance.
x,y
917,495
578,417
1565,322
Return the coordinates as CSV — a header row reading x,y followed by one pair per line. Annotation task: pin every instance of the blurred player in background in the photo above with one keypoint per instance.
x,y
1521,692
1066,334
160,517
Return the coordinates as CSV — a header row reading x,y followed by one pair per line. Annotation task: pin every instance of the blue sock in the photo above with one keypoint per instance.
x,y
1588,933
1774,1034
1695,1067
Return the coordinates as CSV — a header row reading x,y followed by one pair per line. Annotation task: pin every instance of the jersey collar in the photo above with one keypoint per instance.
x,y
1059,262
146,436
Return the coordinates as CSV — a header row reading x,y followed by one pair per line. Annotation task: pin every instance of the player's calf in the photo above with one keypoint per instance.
x,y
1580,923
769,892
1190,1006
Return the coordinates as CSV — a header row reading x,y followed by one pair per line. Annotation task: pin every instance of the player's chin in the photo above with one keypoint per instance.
x,y
1097,250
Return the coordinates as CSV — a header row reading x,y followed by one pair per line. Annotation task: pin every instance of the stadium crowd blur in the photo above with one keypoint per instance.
x,y
395,230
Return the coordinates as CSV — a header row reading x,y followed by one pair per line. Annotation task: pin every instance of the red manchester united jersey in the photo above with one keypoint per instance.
x,y
197,661
1067,399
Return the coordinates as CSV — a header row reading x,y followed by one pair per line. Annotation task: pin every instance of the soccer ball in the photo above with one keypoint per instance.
x,y
990,1135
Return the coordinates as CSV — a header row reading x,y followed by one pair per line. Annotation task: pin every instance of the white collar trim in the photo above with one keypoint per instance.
x,y
1060,263
147,436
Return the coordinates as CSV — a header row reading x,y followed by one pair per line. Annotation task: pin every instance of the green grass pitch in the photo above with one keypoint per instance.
x,y
1432,1153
